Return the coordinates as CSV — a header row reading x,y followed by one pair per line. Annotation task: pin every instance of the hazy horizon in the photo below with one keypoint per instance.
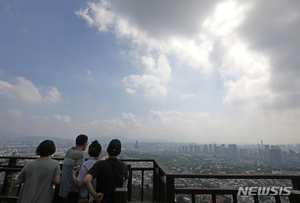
x,y
194,71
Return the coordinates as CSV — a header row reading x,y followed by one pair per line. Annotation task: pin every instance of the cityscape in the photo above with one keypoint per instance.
x,y
192,159
206,90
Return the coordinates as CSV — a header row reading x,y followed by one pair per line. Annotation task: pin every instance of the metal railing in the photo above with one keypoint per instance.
x,y
163,180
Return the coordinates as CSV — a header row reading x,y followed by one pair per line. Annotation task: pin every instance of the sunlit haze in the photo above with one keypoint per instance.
x,y
180,71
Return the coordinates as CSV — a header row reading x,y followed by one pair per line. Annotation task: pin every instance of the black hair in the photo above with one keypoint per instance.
x,y
95,149
46,148
81,139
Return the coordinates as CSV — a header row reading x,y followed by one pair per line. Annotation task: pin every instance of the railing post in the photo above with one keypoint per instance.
x,y
155,183
256,199
277,199
294,198
161,187
214,198
193,198
170,196
142,187
7,181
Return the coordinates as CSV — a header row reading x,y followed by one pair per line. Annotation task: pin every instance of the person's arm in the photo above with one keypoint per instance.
x,y
21,177
56,180
19,181
79,183
56,176
89,187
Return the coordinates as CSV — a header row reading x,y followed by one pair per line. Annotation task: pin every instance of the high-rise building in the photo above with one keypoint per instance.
x,y
205,149
214,147
136,145
243,153
275,147
276,155
191,148
232,149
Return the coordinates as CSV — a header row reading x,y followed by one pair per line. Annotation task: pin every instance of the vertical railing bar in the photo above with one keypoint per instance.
x,y
214,200
162,187
277,199
256,199
155,183
142,187
193,198
234,197
170,194
296,186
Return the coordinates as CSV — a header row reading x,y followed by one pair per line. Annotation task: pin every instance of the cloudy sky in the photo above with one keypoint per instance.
x,y
202,71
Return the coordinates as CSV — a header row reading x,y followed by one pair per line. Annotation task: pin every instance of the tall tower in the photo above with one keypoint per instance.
x,y
136,145
262,144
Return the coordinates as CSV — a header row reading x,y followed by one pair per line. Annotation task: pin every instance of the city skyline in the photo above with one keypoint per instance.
x,y
198,71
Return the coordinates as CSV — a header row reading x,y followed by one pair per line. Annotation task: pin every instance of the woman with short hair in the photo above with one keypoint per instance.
x,y
40,175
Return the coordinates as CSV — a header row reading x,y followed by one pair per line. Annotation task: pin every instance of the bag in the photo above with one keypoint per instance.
x,y
72,195
118,173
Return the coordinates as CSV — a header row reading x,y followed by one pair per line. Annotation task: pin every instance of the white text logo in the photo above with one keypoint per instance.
x,y
264,191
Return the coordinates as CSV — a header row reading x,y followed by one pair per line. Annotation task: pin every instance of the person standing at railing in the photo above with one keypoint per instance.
x,y
39,176
94,152
74,157
109,173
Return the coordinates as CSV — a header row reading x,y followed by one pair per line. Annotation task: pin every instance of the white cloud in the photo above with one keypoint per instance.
x,y
98,14
184,96
53,96
216,25
194,51
130,91
254,51
62,118
25,90
131,121
153,83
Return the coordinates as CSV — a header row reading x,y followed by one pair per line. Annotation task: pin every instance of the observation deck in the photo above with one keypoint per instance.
x,y
163,181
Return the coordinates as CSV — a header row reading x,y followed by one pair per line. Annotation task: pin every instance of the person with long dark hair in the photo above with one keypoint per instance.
x,y
39,175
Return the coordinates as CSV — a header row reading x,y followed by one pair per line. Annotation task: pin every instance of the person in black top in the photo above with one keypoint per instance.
x,y
109,173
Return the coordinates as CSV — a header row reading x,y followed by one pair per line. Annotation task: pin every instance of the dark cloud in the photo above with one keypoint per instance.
x,y
166,18
273,27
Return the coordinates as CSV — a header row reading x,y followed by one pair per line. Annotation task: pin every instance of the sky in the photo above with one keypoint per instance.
x,y
182,71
